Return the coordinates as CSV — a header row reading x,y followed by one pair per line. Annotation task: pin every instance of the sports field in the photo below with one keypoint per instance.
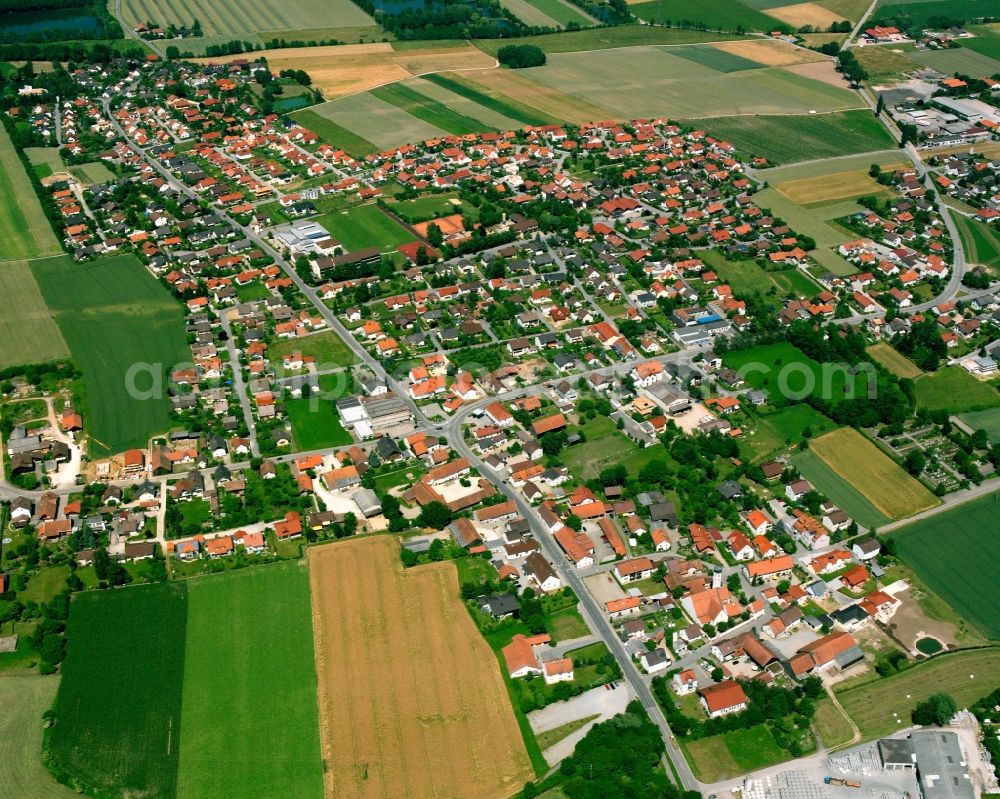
x,y
114,315
232,19
953,389
984,420
894,361
815,135
25,232
25,697
952,552
966,676
365,226
118,710
412,702
249,724
28,333
872,473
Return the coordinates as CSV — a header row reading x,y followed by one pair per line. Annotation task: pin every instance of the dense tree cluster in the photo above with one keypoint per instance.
x,y
520,56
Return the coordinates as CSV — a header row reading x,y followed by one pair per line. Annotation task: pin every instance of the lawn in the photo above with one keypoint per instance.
x,y
730,754
250,687
730,15
861,464
787,139
984,420
788,375
952,551
747,277
334,134
550,738
118,710
981,242
27,330
117,317
251,292
316,424
365,226
25,232
784,428
429,110
326,347
42,587
893,360
24,698
846,497
604,447
953,389
966,676
567,624
831,725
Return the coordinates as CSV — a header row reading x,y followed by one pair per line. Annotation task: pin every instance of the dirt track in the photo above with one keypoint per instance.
x,y
412,702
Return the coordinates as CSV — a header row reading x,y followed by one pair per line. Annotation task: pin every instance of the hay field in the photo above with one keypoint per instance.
x,y
349,68
377,121
233,18
412,702
27,330
873,473
464,105
25,697
894,361
769,52
546,99
25,232
801,14
836,186
651,81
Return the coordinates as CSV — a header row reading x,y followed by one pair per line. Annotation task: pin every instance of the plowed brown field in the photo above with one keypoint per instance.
x,y
412,702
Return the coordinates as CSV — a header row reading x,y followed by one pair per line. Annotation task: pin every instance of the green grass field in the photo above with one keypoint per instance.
x,y
847,498
832,726
428,109
426,207
114,315
315,424
27,330
922,10
966,676
25,232
334,134
984,420
382,123
788,375
506,106
604,447
784,428
250,687
953,389
730,15
871,472
981,242
952,551
747,277
566,624
723,756
887,64
24,698
714,58
986,40
607,38
958,59
365,226
326,347
787,139
118,710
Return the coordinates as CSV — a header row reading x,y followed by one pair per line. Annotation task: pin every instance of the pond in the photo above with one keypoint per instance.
x,y
31,23
929,646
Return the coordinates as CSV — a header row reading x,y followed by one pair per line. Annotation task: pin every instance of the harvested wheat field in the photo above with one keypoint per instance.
x,y
547,99
825,188
825,71
412,702
349,68
802,14
769,52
